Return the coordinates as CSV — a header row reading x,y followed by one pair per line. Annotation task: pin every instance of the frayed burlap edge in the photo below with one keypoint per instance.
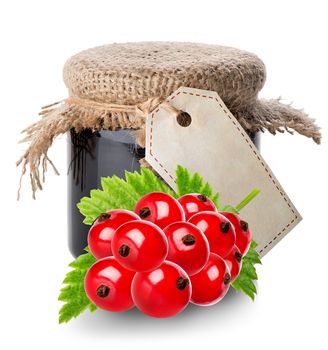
x,y
274,116
62,116
59,118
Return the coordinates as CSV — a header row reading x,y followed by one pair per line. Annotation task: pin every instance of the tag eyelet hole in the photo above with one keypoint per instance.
x,y
184,119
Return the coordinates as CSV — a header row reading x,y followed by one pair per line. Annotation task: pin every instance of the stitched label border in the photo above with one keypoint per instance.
x,y
249,144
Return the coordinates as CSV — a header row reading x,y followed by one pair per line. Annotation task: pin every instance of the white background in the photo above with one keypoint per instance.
x,y
36,39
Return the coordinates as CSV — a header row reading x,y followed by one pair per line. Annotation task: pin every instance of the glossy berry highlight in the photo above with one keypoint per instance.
x,y
211,284
188,246
218,230
159,208
163,292
139,246
193,203
108,285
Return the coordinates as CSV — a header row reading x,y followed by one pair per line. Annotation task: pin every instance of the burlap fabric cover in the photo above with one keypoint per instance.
x,y
117,85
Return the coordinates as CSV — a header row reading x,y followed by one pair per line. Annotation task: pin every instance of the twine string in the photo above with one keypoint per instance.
x,y
140,110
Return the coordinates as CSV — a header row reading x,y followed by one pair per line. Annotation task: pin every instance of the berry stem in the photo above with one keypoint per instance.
x,y
247,199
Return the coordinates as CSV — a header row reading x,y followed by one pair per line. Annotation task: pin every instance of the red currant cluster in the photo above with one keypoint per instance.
x,y
165,254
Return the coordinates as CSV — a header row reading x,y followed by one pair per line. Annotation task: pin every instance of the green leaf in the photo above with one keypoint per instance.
x,y
193,184
245,281
182,180
73,294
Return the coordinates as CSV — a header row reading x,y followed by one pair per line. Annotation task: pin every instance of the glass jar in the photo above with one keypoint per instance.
x,y
92,155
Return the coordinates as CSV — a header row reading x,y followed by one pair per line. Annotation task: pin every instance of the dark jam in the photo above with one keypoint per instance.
x,y
92,155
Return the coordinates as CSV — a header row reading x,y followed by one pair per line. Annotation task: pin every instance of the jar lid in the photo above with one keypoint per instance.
x,y
130,73
117,85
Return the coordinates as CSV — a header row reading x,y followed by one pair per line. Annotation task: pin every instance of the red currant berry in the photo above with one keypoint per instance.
x,y
188,246
218,230
163,292
243,234
234,262
139,246
194,203
211,284
159,208
108,285
103,229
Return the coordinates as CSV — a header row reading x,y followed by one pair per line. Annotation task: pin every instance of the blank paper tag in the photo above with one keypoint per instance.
x,y
218,148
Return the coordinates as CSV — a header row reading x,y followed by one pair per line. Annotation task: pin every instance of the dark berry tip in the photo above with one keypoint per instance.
x,y
102,291
124,250
202,198
225,227
243,225
144,212
238,256
103,217
182,283
189,239
226,278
